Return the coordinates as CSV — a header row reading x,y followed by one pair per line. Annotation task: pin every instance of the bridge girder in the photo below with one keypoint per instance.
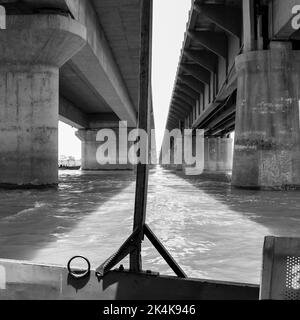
x,y
215,42
185,97
203,58
226,17
197,72
192,83
181,106
183,102
181,87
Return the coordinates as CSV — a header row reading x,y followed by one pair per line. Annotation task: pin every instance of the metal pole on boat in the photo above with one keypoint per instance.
x,y
133,245
144,123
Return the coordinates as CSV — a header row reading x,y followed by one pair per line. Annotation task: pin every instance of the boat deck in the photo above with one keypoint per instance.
x,y
27,281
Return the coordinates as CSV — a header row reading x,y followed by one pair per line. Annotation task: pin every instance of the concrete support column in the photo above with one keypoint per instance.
x,y
267,134
218,155
172,165
176,148
90,147
176,154
194,170
28,124
32,49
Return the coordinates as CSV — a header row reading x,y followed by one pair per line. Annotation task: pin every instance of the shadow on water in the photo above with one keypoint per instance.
x,y
213,230
279,211
42,225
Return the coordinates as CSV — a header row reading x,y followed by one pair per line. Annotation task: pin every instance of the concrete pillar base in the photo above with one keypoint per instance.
x,y
197,146
175,162
172,167
216,176
90,145
267,135
218,156
192,171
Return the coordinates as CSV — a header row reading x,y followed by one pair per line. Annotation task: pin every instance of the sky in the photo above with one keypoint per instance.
x,y
170,18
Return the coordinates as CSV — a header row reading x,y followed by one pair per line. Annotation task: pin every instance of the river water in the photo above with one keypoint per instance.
x,y
212,230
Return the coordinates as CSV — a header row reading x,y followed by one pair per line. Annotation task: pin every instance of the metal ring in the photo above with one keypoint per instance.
x,y
77,274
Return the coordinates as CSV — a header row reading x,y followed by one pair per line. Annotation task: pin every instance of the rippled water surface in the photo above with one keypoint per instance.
x,y
213,231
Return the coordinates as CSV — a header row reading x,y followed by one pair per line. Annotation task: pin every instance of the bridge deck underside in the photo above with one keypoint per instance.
x,y
206,70
103,77
204,94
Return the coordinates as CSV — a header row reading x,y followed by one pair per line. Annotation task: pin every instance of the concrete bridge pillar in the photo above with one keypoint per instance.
x,y
218,155
113,156
177,147
196,168
32,49
267,134
172,165
171,156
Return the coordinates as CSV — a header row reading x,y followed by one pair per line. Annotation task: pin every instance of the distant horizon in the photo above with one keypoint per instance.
x,y
69,144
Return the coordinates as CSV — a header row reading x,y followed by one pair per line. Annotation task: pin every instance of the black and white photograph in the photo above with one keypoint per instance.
x,y
149,153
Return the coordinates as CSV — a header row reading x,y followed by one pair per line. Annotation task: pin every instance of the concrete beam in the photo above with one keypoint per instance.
x,y
180,105
221,97
176,106
179,117
225,17
212,41
172,116
192,83
217,119
173,119
179,114
223,125
181,87
179,110
224,128
97,66
103,120
183,102
205,59
217,112
172,124
185,97
71,115
29,6
197,72
249,25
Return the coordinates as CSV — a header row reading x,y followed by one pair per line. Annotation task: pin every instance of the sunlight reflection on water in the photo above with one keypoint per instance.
x,y
213,231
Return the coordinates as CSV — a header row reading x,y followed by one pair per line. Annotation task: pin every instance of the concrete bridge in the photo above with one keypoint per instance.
x,y
73,60
239,71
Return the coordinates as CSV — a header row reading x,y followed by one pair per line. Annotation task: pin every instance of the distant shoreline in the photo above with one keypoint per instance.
x,y
69,168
